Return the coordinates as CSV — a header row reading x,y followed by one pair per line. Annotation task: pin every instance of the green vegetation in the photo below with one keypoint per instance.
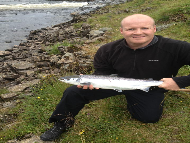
x,y
3,91
35,110
108,120
53,50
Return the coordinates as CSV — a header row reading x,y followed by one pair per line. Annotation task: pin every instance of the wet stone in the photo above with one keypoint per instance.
x,y
23,86
9,104
21,65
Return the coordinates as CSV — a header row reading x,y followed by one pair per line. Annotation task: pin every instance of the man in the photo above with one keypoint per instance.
x,y
141,55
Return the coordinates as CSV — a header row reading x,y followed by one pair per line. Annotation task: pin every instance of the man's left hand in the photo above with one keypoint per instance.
x,y
169,84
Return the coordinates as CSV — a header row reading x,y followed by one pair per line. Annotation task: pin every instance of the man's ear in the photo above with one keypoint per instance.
x,y
154,28
121,30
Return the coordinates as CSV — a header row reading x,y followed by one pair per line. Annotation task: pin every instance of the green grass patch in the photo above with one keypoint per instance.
x,y
53,50
178,31
108,121
33,111
3,91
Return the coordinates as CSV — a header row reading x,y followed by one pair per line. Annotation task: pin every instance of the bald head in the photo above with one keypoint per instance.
x,y
137,18
138,30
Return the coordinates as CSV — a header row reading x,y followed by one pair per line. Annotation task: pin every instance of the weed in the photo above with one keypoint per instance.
x,y
53,50
3,91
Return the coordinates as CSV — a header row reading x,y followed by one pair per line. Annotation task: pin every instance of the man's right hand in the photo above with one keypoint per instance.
x,y
86,87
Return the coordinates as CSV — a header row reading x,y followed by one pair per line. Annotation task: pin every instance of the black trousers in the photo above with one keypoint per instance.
x,y
143,106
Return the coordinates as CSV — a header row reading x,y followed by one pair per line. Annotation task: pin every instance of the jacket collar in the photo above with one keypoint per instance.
x,y
154,40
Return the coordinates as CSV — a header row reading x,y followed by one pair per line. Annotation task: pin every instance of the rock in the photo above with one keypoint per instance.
x,y
4,53
8,95
61,61
101,38
10,76
104,29
127,10
8,41
2,59
12,141
85,26
42,64
78,17
9,104
32,139
164,26
27,72
95,33
36,58
21,65
23,86
55,71
68,58
54,59
8,126
146,9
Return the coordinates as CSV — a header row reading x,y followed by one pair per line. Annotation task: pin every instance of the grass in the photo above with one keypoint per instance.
x,y
3,91
108,120
53,50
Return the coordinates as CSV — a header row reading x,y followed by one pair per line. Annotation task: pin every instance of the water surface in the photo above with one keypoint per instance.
x,y
19,17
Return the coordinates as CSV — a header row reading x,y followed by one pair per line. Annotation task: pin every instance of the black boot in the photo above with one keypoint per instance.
x,y
54,132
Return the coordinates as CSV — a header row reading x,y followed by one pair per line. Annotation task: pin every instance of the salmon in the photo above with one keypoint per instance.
x,y
111,82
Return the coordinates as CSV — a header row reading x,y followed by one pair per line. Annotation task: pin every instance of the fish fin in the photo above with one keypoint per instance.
x,y
85,83
118,90
146,89
150,79
113,75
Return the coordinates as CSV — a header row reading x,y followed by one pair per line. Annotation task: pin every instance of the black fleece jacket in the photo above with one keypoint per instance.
x,y
162,59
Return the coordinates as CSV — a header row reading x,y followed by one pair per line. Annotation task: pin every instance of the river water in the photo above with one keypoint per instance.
x,y
19,17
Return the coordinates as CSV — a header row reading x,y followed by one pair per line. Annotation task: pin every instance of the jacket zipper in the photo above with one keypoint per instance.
x,y
134,63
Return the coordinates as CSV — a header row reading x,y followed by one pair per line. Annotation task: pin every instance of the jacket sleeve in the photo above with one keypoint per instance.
x,y
183,59
101,63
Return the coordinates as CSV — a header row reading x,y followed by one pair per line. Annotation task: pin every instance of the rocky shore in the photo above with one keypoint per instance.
x,y
24,65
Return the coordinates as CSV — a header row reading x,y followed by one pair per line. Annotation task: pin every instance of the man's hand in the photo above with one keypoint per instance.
x,y
169,84
86,87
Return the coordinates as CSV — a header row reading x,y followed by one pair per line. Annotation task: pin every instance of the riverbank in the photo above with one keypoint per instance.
x,y
23,61
18,18
25,65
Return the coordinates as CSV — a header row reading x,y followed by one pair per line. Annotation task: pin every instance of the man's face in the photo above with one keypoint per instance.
x,y
138,32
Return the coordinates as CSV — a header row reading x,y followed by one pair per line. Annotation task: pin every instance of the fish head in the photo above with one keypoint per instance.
x,y
74,79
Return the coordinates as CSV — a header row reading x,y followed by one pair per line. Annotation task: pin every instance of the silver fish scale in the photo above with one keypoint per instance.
x,y
111,82
113,78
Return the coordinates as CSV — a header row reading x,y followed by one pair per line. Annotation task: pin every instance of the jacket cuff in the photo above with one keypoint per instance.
x,y
182,81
